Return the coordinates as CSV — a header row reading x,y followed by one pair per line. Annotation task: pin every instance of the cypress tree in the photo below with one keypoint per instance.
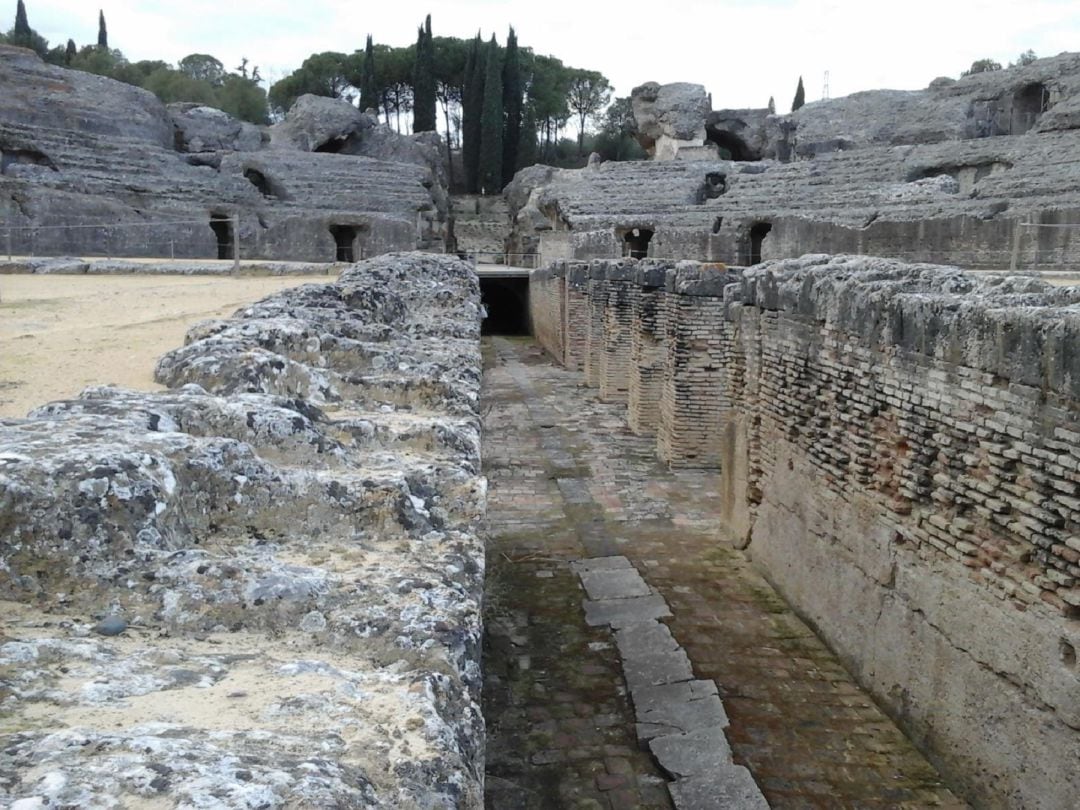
x,y
69,54
800,96
424,81
22,26
491,123
527,147
511,79
471,109
369,87
102,32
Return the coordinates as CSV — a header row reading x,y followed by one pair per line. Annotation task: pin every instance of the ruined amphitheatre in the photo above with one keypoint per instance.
x,y
762,487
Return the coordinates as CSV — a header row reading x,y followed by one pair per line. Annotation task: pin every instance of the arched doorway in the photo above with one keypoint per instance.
x,y
752,243
636,243
732,147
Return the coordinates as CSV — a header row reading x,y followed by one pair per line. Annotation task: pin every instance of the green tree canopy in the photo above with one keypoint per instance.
x,y
103,32
202,67
800,96
982,66
589,93
424,80
491,123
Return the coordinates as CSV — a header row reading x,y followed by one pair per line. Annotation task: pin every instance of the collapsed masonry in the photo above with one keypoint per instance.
x,y
92,166
260,587
961,172
899,448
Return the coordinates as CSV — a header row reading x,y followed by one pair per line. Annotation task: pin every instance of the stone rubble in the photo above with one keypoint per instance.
x,y
262,586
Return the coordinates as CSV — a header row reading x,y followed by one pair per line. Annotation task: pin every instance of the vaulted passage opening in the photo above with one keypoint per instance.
x,y
345,242
732,147
636,243
260,181
507,303
758,232
333,146
1029,103
10,156
222,227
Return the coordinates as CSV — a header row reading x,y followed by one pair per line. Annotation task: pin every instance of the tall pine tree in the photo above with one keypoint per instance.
x,y
22,25
800,96
424,81
369,87
70,52
491,123
527,146
472,106
512,92
102,32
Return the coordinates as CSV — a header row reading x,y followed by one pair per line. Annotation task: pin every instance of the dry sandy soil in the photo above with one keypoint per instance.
x,y
61,333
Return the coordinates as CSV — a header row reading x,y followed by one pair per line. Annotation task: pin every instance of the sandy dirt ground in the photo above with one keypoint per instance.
x,y
60,333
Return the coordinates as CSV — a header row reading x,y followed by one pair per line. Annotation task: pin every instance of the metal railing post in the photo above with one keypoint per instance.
x,y
236,243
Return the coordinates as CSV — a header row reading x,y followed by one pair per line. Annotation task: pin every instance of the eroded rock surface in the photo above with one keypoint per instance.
x,y
262,586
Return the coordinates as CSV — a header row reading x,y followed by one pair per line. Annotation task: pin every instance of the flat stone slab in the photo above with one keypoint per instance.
x,y
698,753
622,583
677,708
600,564
623,612
653,669
645,638
733,788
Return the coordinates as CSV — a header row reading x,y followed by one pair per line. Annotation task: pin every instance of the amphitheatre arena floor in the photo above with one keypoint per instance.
x,y
61,333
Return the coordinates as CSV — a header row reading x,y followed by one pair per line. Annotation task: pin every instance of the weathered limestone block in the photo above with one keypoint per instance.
x,y
246,590
206,129
670,117
648,347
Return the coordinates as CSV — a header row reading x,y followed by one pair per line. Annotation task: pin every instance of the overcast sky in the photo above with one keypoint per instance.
x,y
743,52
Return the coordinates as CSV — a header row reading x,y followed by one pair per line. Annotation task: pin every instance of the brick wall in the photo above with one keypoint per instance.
x,y
900,448
594,339
903,457
577,314
614,372
547,299
694,392
648,349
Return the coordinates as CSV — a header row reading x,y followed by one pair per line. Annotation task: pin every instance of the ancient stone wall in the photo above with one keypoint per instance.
x,y
614,374
648,348
261,586
594,339
576,324
547,299
900,450
694,395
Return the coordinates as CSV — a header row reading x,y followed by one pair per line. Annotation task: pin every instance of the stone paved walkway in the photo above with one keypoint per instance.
x,y
568,481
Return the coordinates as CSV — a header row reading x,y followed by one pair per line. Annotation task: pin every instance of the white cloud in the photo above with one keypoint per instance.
x,y
743,52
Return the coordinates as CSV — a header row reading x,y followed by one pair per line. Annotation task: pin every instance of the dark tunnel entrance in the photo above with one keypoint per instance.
x,y
507,303
732,147
222,226
344,242
636,243
758,232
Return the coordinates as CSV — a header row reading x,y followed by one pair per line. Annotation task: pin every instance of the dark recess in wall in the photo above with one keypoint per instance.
x,y
507,303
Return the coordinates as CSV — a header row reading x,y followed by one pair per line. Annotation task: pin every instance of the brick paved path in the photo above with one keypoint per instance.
x,y
567,481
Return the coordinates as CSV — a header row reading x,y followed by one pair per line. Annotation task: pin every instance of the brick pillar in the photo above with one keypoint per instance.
x,y
594,344
694,399
576,314
648,347
614,374
545,308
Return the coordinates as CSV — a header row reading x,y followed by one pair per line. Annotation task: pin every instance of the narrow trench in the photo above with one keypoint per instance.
x,y
568,481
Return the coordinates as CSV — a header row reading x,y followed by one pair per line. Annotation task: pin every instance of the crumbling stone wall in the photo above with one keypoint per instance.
x,y
648,348
900,447
615,354
261,586
547,299
694,395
